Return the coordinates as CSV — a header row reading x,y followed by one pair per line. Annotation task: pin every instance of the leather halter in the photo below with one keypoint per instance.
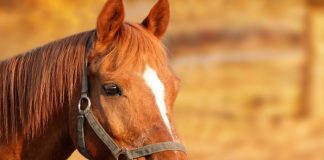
x,y
85,113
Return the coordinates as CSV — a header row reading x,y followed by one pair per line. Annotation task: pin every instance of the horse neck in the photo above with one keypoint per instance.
x,y
56,141
53,143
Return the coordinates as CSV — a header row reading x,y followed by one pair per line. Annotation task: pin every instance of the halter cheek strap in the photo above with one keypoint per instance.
x,y
114,148
85,114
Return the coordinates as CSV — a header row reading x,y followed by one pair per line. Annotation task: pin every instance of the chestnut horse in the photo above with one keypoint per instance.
x,y
123,68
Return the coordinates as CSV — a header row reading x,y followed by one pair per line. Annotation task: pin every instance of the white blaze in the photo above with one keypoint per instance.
x,y
154,83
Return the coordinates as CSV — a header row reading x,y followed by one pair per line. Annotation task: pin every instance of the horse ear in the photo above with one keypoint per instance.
x,y
110,21
158,20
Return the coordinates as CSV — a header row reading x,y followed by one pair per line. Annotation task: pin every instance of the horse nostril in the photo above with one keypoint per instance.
x,y
152,157
148,158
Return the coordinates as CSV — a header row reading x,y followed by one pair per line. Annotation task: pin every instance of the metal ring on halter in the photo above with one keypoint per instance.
x,y
87,100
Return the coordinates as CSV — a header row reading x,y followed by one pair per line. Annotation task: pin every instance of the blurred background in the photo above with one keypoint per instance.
x,y
252,70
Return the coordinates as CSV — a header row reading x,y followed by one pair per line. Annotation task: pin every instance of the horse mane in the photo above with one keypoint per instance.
x,y
37,84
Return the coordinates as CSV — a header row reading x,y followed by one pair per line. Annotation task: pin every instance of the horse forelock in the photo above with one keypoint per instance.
x,y
134,47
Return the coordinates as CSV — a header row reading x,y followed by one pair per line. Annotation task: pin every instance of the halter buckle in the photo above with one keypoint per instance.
x,y
84,100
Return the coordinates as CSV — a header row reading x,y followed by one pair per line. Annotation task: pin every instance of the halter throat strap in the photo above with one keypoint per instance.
x,y
85,114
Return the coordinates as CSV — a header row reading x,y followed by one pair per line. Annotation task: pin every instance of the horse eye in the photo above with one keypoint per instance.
x,y
112,90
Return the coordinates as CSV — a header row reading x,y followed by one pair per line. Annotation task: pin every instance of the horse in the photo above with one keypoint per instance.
x,y
108,93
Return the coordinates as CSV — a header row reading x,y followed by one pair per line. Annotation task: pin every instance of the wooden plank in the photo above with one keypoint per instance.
x,y
314,77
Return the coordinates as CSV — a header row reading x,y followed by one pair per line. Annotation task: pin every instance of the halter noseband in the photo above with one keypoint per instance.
x,y
86,113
